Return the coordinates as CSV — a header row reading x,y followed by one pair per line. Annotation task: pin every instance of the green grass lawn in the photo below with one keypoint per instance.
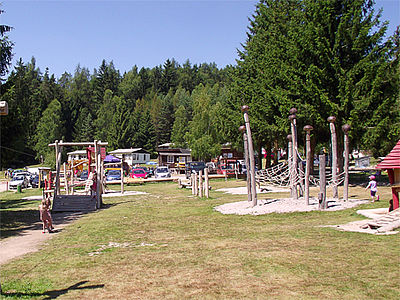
x,y
168,244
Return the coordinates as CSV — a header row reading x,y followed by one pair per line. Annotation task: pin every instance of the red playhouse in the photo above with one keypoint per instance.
x,y
391,163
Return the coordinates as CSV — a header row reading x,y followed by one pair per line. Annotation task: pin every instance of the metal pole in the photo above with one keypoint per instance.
x,y
251,168
346,128
308,129
335,193
242,129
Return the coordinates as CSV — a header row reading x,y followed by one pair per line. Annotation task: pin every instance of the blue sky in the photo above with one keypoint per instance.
x,y
62,34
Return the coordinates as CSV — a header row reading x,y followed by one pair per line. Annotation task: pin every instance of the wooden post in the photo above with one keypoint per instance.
x,y
346,128
290,165
72,176
322,183
196,188
192,179
242,129
292,119
66,180
98,176
58,167
122,173
207,183
307,129
200,183
251,167
331,121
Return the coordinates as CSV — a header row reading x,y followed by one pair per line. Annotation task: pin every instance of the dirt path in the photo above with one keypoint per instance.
x,y
31,240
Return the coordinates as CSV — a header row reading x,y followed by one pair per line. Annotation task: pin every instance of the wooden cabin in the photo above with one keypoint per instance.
x,y
174,158
391,163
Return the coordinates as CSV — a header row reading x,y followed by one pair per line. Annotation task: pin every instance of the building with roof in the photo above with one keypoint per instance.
x,y
175,158
391,163
132,156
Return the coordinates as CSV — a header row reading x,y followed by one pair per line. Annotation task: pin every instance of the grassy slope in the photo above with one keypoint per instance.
x,y
178,247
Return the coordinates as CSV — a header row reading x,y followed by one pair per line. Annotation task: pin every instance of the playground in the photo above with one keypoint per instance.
x,y
167,243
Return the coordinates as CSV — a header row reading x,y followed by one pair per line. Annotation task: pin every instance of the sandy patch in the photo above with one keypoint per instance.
x,y
243,190
283,205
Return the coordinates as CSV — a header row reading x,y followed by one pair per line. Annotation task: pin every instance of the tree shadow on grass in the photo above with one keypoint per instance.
x,y
56,293
17,222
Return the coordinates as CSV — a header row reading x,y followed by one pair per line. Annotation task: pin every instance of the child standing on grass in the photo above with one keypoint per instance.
x,y
373,187
45,217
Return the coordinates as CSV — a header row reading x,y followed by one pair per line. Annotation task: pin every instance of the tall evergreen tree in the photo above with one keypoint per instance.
x,y
202,138
105,114
312,55
169,76
166,119
105,78
180,128
49,129
6,47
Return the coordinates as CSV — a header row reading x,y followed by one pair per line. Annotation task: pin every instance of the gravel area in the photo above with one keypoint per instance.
x,y
279,205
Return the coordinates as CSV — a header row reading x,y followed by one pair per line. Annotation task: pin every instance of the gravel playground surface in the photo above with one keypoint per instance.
x,y
279,205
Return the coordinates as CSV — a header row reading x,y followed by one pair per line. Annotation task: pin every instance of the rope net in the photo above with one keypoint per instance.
x,y
284,175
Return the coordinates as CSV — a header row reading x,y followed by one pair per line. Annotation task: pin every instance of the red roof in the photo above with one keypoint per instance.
x,y
392,160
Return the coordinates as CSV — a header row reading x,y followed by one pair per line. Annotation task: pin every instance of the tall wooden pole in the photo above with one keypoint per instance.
x,y
201,183
322,183
290,165
72,176
292,119
346,128
207,183
192,179
58,167
331,121
196,187
307,129
251,168
122,173
98,174
242,129
66,180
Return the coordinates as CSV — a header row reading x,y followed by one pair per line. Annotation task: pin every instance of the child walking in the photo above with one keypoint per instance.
x,y
373,187
45,217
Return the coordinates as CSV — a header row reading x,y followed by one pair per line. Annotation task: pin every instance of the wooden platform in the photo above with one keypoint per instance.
x,y
81,203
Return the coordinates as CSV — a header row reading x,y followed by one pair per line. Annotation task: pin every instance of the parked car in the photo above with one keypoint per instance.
x,y
226,168
34,181
138,173
113,175
162,172
149,171
17,180
194,167
212,167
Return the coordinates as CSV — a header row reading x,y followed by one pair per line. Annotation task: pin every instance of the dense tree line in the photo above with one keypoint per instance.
x,y
136,109
325,57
